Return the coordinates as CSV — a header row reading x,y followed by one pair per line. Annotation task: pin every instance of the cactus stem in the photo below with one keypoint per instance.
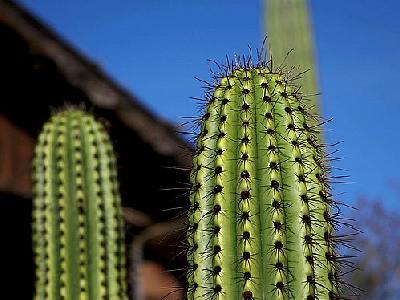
x,y
260,220
78,229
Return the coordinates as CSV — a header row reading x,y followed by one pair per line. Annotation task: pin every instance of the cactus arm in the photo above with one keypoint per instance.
x,y
288,27
80,253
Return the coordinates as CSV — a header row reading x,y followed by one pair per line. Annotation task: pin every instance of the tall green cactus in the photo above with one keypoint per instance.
x,y
78,229
260,222
288,26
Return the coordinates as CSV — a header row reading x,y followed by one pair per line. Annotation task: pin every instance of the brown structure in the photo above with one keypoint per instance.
x,y
39,73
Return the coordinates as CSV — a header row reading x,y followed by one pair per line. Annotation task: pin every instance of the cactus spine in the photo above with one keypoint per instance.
x,y
78,229
260,222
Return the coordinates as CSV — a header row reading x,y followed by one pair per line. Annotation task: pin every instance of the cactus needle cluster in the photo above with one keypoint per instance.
x,y
261,224
78,229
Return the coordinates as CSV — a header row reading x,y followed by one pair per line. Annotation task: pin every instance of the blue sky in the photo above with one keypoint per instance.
x,y
155,48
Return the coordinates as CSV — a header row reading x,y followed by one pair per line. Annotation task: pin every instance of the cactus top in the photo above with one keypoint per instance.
x,y
260,219
78,233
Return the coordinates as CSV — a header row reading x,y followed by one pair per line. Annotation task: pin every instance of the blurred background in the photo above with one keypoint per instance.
x,y
133,63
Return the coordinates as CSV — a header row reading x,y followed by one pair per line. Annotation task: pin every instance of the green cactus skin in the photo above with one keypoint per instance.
x,y
288,26
77,221
261,223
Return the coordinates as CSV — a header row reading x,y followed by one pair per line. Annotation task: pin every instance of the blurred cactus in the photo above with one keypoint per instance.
x,y
288,27
78,229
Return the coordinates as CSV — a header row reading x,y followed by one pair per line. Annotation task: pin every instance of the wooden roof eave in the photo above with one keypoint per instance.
x,y
100,89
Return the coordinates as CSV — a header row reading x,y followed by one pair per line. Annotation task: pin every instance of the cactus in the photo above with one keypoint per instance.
x,y
261,224
288,26
78,229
